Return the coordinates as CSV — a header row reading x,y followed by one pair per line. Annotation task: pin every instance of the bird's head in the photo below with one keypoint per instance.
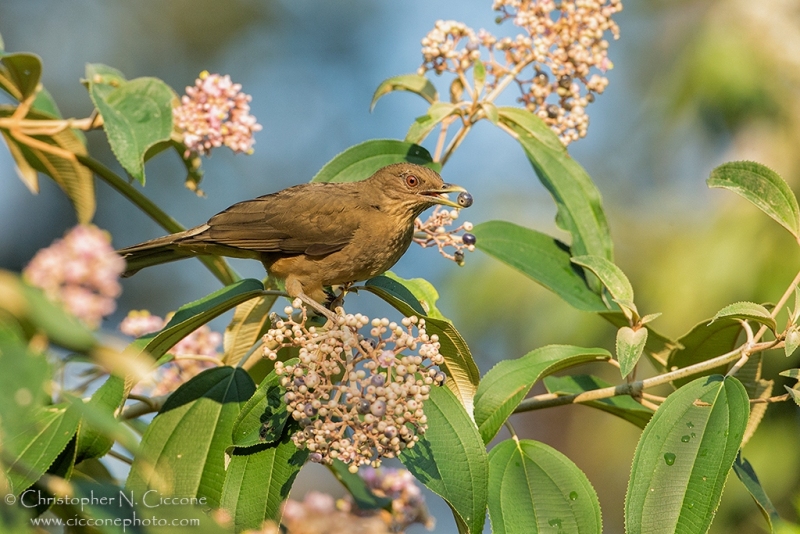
x,y
413,188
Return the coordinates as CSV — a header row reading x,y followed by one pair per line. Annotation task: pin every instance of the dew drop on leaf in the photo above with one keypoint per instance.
x,y
689,424
669,458
685,439
573,495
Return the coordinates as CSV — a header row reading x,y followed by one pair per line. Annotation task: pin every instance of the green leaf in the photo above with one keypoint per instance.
x,y
36,448
245,328
137,114
363,496
747,475
406,82
97,434
264,416
192,316
683,457
609,274
630,346
795,394
22,385
747,311
791,373
361,161
580,210
622,405
763,187
20,73
540,257
423,125
258,480
534,488
182,452
507,383
75,179
418,297
450,459
703,342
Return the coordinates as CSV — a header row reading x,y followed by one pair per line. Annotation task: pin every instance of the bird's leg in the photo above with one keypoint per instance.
x,y
339,299
319,308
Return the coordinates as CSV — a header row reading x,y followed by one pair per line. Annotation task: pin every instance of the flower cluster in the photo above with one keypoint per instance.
x,y
562,49
193,354
318,514
356,399
434,232
408,503
215,112
81,271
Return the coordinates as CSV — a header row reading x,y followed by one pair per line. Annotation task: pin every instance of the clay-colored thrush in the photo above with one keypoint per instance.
x,y
314,235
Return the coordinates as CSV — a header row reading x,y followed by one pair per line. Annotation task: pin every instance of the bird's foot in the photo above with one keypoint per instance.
x,y
337,301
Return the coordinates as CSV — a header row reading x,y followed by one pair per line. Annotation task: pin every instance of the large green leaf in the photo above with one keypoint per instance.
x,y
258,480
418,297
36,448
264,416
703,342
534,488
361,161
507,383
137,114
609,274
192,316
75,179
763,187
622,405
540,257
182,452
450,459
683,457
413,83
20,73
580,210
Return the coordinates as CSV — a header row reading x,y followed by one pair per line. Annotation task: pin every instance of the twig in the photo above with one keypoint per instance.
x,y
120,457
152,404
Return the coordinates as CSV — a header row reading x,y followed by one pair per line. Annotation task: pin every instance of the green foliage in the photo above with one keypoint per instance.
x,y
451,460
684,455
264,416
623,406
137,114
413,83
534,488
507,383
361,161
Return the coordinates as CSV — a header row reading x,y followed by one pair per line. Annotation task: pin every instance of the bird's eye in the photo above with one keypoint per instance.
x,y
412,181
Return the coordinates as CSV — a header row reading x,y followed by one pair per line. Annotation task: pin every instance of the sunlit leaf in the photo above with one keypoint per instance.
x,y
450,459
630,346
747,311
683,457
534,488
508,382
424,124
406,82
763,187
20,73
609,274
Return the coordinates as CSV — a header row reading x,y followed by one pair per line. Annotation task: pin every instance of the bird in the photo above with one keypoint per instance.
x,y
314,235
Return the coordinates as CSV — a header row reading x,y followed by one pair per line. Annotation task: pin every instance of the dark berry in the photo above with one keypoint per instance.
x,y
469,239
464,199
315,457
565,81
552,111
378,380
364,407
459,257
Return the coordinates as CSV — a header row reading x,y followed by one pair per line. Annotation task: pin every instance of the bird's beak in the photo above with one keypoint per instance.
x,y
439,196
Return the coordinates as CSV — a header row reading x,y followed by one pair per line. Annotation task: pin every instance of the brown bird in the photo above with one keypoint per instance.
x,y
317,234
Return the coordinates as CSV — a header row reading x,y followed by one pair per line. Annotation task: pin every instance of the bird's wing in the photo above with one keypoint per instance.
x,y
308,219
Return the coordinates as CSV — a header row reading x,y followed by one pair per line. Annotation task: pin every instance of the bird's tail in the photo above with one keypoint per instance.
x,y
155,252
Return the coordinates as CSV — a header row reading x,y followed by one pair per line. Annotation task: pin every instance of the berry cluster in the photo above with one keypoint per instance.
x,y
80,271
408,504
318,514
434,232
562,43
214,112
356,399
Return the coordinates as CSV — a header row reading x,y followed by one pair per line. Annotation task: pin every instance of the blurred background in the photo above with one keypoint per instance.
x,y
694,84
